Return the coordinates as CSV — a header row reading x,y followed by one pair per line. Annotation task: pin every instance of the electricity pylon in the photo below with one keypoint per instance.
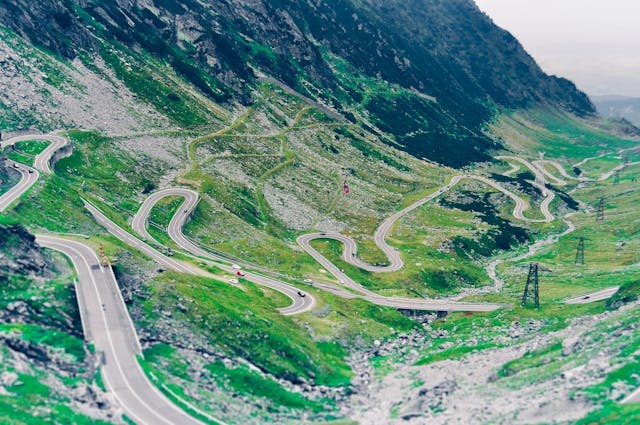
x,y
532,287
580,251
600,211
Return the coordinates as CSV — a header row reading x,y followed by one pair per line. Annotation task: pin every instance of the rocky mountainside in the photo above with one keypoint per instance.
x,y
311,116
19,254
41,339
455,64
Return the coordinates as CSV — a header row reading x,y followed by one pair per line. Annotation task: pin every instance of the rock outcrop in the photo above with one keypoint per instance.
x,y
20,255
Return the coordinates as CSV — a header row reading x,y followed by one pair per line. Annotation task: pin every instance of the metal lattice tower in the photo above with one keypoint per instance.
x,y
580,252
600,212
532,287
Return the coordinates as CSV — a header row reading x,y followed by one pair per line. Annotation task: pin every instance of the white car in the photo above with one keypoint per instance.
x,y
307,281
235,266
234,281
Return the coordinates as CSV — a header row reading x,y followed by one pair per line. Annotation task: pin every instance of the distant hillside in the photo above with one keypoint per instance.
x,y
619,107
453,67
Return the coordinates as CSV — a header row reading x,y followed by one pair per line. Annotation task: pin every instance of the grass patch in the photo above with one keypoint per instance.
x,y
261,335
32,147
452,353
246,381
627,293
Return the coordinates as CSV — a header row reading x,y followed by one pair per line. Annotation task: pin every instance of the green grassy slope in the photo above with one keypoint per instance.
x,y
273,171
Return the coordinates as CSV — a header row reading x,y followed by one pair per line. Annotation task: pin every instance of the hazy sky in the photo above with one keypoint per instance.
x,y
594,43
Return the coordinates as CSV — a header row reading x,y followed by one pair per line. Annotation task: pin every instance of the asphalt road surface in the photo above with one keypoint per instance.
x,y
107,325
559,182
540,183
132,241
29,175
594,296
27,179
43,159
300,303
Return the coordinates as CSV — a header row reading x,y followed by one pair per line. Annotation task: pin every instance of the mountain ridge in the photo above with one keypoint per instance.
x,y
447,51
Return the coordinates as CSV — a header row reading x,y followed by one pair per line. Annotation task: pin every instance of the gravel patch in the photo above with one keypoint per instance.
x,y
469,390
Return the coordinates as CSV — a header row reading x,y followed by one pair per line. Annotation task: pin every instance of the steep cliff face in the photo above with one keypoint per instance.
x,y
460,65
41,339
20,255
446,48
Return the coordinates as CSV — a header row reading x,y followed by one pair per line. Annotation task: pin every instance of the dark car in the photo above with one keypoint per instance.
x,y
301,294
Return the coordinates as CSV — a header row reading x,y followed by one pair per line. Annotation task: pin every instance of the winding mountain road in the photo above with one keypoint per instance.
x,y
105,318
106,324
350,248
29,175
559,182
299,304
43,160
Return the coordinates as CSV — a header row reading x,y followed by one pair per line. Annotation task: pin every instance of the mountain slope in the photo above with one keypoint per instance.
x,y
221,97
451,66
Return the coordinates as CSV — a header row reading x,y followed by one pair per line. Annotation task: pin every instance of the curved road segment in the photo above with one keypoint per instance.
x,y
299,303
107,325
106,321
191,199
29,175
350,250
562,171
43,159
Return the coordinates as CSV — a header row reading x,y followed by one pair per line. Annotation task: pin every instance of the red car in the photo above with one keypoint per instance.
x,y
240,273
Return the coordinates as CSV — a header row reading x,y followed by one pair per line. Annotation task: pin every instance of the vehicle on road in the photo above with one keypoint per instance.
x,y
234,281
30,171
240,273
307,281
235,266
301,294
